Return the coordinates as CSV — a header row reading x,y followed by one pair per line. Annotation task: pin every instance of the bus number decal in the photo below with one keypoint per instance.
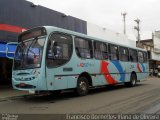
x,y
85,65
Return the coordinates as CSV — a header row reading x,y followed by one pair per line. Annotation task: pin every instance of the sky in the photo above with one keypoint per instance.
x,y
107,13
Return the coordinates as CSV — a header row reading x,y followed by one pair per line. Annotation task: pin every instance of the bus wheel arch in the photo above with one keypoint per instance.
x,y
83,83
87,76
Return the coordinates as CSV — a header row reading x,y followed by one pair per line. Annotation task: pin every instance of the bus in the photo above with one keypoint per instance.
x,y
49,59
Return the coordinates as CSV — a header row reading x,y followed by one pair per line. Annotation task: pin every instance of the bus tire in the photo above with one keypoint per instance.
x,y
82,86
133,80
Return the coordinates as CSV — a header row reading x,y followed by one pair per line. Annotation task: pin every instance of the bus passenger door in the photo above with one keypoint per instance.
x,y
54,78
54,69
59,52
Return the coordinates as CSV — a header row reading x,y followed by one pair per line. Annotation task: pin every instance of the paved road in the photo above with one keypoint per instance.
x,y
144,98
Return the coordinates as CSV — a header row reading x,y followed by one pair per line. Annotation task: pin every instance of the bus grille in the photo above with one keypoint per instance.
x,y
24,79
26,86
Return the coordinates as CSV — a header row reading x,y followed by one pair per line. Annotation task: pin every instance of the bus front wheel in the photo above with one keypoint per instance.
x,y
82,86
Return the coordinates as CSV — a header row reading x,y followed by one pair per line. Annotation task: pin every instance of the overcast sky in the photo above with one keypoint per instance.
x,y
107,13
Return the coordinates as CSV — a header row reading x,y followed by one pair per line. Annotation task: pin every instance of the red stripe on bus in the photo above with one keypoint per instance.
x,y
138,67
105,71
11,28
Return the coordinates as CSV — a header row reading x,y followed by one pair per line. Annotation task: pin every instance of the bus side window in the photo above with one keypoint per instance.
x,y
123,54
140,57
59,49
133,55
145,57
83,48
113,52
100,50
131,58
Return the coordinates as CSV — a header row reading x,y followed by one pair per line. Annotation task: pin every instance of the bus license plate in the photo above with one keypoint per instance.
x,y
31,91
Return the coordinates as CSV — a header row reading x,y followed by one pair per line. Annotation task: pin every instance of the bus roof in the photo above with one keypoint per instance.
x,y
52,28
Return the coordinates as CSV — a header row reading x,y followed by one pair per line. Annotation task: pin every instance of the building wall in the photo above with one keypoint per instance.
x,y
153,48
22,14
157,33
156,43
155,56
106,34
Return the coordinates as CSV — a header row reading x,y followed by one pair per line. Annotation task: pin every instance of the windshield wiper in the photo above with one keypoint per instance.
x,y
34,41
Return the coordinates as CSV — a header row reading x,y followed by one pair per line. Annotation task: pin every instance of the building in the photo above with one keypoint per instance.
x,y
153,48
109,35
19,15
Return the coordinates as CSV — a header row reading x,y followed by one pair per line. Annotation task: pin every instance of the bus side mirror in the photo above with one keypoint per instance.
x,y
10,49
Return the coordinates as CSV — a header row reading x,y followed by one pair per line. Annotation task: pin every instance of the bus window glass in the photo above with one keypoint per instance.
x,y
83,48
123,54
145,56
100,51
33,33
113,52
133,55
59,50
140,56
29,54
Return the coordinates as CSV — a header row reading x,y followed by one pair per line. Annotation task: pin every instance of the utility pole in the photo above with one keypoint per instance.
x,y
138,31
124,20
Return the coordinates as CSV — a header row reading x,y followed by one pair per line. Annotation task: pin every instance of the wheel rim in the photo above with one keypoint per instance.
x,y
133,80
82,87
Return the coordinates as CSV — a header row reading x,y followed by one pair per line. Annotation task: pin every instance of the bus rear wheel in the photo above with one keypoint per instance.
x,y
133,80
82,86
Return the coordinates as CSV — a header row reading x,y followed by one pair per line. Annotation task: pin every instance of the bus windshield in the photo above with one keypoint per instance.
x,y
29,53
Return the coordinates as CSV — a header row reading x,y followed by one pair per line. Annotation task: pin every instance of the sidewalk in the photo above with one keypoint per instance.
x,y
9,92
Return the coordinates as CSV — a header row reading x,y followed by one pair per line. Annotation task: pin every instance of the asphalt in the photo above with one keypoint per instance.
x,y
143,98
7,91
